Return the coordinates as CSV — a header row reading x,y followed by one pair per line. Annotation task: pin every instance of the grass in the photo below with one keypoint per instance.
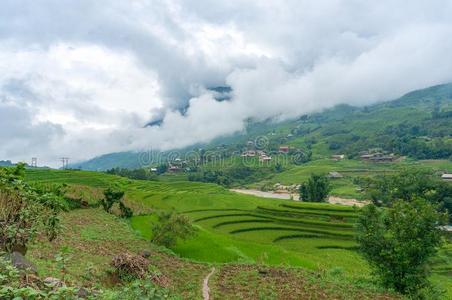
x,y
93,237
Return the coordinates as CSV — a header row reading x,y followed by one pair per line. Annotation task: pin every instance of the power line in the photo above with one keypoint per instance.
x,y
65,161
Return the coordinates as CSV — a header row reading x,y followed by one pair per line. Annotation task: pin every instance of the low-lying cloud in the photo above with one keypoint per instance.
x,y
83,78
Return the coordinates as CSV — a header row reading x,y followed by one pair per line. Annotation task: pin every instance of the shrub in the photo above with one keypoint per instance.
x,y
111,196
170,228
26,210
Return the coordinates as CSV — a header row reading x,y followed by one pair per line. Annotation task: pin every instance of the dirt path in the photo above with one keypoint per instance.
x,y
205,285
266,194
287,196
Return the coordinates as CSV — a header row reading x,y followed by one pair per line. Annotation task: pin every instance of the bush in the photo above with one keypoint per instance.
x,y
316,189
170,228
26,210
111,196
399,241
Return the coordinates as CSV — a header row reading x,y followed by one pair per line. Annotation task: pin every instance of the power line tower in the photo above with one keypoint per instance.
x,y
34,162
65,161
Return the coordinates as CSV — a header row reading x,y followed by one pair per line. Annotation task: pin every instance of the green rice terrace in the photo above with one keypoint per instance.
x,y
238,228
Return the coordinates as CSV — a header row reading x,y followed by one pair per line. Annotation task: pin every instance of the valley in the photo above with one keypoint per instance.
x,y
237,228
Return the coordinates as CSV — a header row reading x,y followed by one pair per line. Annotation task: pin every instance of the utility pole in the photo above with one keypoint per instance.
x,y
34,162
65,161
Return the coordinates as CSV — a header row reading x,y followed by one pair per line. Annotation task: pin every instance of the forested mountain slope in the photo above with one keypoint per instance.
x,y
419,125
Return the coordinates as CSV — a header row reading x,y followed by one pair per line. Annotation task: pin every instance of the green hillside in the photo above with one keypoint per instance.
x,y
416,125
237,228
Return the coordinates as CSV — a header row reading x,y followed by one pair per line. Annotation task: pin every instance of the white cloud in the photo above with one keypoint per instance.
x,y
82,78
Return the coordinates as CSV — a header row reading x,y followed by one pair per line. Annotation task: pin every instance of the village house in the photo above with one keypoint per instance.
x,y
337,156
284,149
378,157
264,158
335,175
173,168
447,177
249,153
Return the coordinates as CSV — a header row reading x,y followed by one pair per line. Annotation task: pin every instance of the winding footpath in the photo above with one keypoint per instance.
x,y
205,285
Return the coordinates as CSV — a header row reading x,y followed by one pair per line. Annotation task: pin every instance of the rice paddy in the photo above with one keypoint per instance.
x,y
236,227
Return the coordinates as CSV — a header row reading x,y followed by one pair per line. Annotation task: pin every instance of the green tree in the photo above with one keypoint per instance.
x,y
407,185
316,189
170,228
399,241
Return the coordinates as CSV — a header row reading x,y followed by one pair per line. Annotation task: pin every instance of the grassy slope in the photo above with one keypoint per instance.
x,y
217,244
93,237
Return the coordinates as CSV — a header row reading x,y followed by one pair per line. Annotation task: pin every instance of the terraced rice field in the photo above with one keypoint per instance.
x,y
235,227
288,223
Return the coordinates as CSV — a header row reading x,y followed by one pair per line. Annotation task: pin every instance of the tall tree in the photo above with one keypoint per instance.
x,y
399,241
316,189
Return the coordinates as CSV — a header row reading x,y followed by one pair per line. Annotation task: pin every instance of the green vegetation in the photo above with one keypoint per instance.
x,y
241,228
170,228
26,211
316,189
139,174
407,185
91,238
399,242
262,248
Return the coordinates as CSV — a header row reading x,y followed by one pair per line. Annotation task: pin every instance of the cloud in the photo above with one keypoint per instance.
x,y
83,78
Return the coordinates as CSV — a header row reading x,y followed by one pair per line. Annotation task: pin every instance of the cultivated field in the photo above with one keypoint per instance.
x,y
242,228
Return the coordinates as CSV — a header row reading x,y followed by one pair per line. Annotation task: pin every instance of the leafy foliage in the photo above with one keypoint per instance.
x,y
170,228
316,189
407,185
139,174
26,210
399,241
13,288
112,195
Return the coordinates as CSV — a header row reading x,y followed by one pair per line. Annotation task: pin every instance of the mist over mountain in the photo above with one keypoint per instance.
x,y
81,78
407,126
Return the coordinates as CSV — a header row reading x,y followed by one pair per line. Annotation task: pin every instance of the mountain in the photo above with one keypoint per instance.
x,y
6,163
418,124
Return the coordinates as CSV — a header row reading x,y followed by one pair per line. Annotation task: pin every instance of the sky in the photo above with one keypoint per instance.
x,y
81,78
